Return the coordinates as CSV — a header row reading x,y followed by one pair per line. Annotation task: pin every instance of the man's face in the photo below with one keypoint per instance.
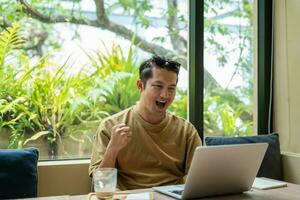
x,y
159,92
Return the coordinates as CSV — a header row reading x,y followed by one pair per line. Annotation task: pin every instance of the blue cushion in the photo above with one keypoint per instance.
x,y
271,166
18,173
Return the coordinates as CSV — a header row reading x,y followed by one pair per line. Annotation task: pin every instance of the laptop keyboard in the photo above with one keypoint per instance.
x,y
179,192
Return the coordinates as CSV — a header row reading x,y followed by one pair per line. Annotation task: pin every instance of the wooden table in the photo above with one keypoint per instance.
x,y
291,192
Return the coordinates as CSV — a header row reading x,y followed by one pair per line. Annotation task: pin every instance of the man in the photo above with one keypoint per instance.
x,y
148,145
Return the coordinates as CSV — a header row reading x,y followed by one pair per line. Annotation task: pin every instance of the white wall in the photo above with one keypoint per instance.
x,y
287,85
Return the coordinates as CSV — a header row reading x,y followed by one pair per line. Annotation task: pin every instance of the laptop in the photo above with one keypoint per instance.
x,y
219,170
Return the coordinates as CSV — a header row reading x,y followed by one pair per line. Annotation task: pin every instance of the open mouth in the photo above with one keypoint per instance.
x,y
161,104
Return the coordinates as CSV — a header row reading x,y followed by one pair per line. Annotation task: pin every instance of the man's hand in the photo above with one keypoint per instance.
x,y
120,137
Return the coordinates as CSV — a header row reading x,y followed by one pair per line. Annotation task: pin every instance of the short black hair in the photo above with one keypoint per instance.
x,y
159,62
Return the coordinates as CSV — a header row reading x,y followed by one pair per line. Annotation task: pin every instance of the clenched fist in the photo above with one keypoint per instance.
x,y
120,137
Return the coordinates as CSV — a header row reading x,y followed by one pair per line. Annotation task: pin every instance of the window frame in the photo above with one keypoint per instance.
x,y
196,65
264,65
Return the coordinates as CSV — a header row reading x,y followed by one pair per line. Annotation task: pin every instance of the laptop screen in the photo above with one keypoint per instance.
x,y
219,170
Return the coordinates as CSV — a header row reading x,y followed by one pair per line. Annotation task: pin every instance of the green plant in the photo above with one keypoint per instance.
x,y
13,102
9,40
223,117
39,21
40,101
231,122
179,105
117,83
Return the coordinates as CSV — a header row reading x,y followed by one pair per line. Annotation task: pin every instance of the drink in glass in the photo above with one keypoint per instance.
x,y
105,181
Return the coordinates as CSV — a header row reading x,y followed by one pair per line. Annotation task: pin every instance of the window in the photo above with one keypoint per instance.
x,y
228,64
68,67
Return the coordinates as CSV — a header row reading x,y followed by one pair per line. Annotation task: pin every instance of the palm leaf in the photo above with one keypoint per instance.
x,y
9,39
11,105
36,136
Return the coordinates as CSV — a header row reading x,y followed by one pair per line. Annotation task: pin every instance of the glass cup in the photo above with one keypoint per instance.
x,y
105,182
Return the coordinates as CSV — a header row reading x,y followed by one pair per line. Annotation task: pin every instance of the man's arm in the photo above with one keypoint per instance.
x,y
103,151
193,142
119,139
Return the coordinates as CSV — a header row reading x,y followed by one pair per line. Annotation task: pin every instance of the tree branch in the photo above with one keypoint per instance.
x,y
40,40
100,12
104,23
178,42
54,19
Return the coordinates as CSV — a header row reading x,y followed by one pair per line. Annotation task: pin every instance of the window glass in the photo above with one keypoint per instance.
x,y
228,61
66,65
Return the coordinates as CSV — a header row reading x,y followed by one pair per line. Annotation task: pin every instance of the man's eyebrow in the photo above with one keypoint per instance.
x,y
162,83
158,82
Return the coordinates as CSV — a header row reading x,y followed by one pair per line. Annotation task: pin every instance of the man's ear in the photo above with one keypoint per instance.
x,y
140,85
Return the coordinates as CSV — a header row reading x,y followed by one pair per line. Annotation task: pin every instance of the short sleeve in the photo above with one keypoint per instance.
x,y
100,143
193,142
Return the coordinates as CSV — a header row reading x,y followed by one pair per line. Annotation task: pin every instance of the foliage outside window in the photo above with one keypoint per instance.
x,y
52,102
228,55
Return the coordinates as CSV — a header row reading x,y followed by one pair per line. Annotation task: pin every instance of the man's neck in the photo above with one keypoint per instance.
x,y
149,117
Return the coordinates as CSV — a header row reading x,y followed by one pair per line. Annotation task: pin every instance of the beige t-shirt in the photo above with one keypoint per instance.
x,y
156,154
